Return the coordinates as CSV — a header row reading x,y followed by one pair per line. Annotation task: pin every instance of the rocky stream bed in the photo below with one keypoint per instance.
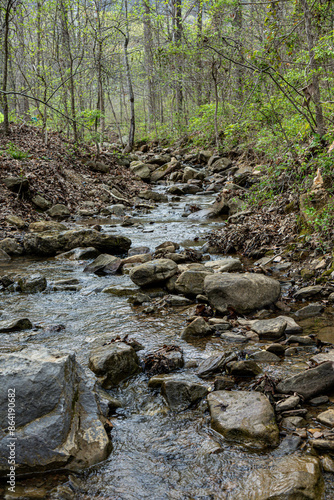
x,y
147,367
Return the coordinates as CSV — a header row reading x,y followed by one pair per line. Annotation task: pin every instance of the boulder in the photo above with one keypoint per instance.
x,y
326,418
139,168
114,363
308,291
244,368
154,196
189,173
191,282
160,172
137,259
56,413
50,243
59,211
18,185
14,220
14,325
197,328
310,383
46,225
41,202
138,251
211,365
244,417
224,265
79,254
32,284
104,264
4,257
179,390
265,357
11,246
293,477
310,310
270,328
155,271
244,292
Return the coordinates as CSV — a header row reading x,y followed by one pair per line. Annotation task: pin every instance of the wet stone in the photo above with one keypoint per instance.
x,y
4,257
14,325
309,311
244,417
301,340
323,356
290,478
104,264
270,328
223,382
233,337
292,423
156,271
289,445
179,390
311,382
32,284
288,404
114,363
264,357
211,365
321,400
326,418
197,328
308,291
277,349
247,368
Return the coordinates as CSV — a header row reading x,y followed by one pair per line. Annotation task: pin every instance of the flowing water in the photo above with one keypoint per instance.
x,y
157,454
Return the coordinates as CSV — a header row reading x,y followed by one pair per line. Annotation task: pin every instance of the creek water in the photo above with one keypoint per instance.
x,y
157,454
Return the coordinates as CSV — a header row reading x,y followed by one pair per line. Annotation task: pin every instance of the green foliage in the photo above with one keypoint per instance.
x,y
15,152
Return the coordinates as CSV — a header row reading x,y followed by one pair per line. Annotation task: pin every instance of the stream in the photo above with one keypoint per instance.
x,y
157,454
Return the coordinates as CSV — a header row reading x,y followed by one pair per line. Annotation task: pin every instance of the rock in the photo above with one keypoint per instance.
x,y
153,195
191,282
32,284
291,326
176,300
121,290
292,423
189,173
270,328
11,246
293,477
159,159
244,417
264,357
164,360
327,464
310,310
139,299
56,414
4,257
223,382
46,225
97,166
289,445
107,404
14,325
224,265
138,251
243,292
287,404
41,202
179,390
211,365
79,254
168,245
49,243
137,259
16,221
320,400
233,337
308,291
156,271
104,264
196,328
322,445
244,368
118,209
59,211
277,349
311,382
17,184
114,362
300,340
139,168
291,351
326,418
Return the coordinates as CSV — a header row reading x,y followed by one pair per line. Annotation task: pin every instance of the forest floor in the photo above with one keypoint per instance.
x,y
57,172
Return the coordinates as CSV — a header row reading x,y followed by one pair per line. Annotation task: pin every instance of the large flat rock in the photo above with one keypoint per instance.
x,y
310,383
291,478
244,417
56,413
244,292
50,243
155,271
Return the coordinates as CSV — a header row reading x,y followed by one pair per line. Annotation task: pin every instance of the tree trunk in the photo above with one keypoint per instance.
x,y
131,140
315,92
149,63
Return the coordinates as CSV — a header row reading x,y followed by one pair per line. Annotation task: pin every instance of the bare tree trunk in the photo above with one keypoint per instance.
x,y
131,140
177,38
199,44
149,64
8,8
238,68
315,90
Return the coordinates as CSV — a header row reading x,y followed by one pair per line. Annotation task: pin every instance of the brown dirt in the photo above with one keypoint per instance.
x,y
58,173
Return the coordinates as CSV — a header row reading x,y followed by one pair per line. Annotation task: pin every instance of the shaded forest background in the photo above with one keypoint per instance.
x,y
221,73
